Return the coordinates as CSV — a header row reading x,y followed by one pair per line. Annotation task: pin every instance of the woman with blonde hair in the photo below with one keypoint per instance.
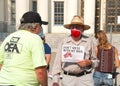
x,y
107,55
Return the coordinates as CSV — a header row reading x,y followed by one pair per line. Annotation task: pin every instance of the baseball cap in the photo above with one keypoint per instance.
x,y
32,17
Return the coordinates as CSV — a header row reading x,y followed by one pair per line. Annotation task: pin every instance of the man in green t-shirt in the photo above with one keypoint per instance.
x,y
22,58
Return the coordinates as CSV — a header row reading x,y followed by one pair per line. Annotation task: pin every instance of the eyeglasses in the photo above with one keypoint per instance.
x,y
76,26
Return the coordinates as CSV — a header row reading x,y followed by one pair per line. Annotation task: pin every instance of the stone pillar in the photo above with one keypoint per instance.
x,y
42,9
71,10
2,9
103,15
89,15
22,6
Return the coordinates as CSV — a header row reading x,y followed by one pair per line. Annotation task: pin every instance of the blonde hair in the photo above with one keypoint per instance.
x,y
102,40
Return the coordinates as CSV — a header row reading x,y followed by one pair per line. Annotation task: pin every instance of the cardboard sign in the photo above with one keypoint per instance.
x,y
72,53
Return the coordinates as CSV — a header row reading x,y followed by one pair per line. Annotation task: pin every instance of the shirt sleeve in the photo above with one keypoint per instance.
x,y
57,64
93,58
1,54
47,49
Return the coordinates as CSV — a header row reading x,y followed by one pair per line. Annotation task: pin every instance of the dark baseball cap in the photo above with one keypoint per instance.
x,y
32,17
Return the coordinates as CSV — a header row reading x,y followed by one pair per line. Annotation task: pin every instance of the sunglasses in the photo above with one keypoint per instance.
x,y
76,26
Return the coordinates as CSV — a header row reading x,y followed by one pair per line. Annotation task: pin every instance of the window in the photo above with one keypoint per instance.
x,y
34,6
58,13
12,11
112,13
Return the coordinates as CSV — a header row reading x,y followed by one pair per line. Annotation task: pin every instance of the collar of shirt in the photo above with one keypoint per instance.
x,y
83,39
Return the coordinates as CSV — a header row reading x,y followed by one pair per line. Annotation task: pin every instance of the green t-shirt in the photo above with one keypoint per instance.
x,y
20,53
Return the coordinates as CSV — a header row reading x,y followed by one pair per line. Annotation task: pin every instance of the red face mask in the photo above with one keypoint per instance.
x,y
75,33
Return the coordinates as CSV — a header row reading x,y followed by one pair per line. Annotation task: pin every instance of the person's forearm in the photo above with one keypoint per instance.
x,y
43,79
42,76
48,58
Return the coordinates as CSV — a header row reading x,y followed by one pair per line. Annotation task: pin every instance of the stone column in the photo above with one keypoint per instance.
x,y
71,10
89,15
103,15
22,6
2,9
42,9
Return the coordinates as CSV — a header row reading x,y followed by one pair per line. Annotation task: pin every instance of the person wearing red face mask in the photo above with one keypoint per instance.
x,y
75,57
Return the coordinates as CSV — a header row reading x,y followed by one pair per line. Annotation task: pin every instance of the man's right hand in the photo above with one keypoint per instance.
x,y
55,84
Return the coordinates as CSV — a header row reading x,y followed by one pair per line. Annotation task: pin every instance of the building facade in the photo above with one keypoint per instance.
x,y
99,14
56,12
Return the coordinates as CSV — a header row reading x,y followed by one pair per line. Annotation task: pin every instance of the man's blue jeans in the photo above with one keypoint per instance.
x,y
101,78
